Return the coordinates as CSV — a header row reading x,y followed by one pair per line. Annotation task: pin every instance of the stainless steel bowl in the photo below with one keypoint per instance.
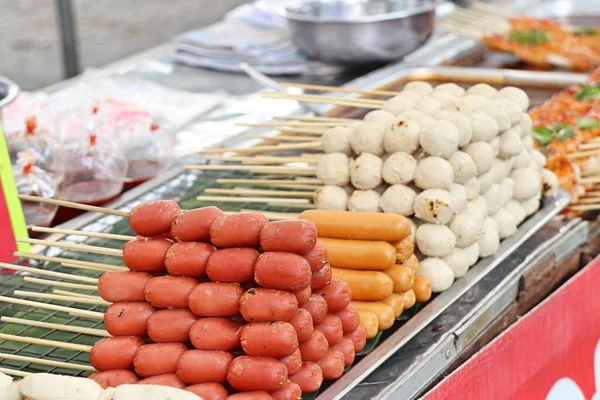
x,y
359,31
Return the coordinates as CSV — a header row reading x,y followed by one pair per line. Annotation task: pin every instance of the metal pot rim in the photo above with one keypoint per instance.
x,y
11,92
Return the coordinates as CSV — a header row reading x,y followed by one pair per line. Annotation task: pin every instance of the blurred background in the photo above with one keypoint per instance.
x,y
30,49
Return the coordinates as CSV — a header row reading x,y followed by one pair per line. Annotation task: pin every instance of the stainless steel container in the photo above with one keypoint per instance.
x,y
359,31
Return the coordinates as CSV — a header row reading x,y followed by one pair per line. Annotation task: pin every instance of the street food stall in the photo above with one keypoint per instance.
x,y
407,161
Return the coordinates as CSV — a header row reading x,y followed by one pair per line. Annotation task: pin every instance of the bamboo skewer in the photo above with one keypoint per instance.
x,y
257,169
75,294
284,138
590,180
51,363
272,215
101,269
74,246
305,118
279,203
52,274
46,342
339,89
101,235
585,207
79,263
58,327
264,159
227,199
308,98
591,193
259,192
588,200
589,146
71,204
70,299
265,149
14,372
590,171
60,284
303,181
298,124
54,307
581,154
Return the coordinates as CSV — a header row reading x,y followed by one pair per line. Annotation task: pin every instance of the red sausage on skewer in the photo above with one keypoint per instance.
x,y
115,352
158,358
128,318
193,225
146,255
171,325
153,218
115,286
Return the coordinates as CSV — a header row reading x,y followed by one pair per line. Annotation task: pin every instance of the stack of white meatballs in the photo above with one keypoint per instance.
x,y
461,162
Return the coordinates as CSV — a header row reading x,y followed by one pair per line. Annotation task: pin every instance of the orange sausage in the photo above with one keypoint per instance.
x,y
169,291
358,337
303,324
337,295
128,318
370,322
285,271
202,366
293,362
208,391
115,352
171,325
404,249
317,257
359,254
114,286
359,226
269,339
153,218
403,278
268,305
211,299
193,225
303,295
114,378
422,289
158,358
188,259
349,317
309,378
331,327
146,255
232,265
384,313
366,285
317,307
321,277
332,364
248,373
254,395
289,236
409,299
215,334
164,380
346,347
290,391
315,347
237,230
396,301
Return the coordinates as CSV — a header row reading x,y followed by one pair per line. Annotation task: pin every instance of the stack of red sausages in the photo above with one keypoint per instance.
x,y
218,304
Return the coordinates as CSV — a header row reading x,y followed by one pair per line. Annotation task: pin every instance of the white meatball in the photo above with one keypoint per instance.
x,y
333,169
507,189
435,240
530,206
528,142
473,253
496,111
412,96
463,167
493,198
444,98
517,211
495,145
397,105
364,201
482,89
380,117
402,135
428,106
527,183
433,205
458,261
465,229
459,197
433,173
461,123
549,183
488,239
485,128
499,171
472,188
475,212
510,143
516,95
451,88
438,272
399,168
337,140
365,171
330,197
420,87
470,103
512,111
526,125
539,158
522,160
367,137
507,225
482,155
440,140
485,181
398,199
